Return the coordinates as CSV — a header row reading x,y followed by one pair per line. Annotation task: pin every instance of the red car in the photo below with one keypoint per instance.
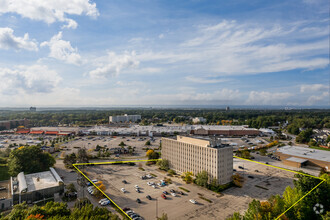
x,y
163,196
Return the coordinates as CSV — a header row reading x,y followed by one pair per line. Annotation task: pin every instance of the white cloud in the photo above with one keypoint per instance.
x,y
50,11
267,98
9,41
113,64
232,48
161,36
28,79
205,80
313,88
324,98
62,50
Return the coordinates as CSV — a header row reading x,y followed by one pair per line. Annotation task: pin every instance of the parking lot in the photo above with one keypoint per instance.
x,y
265,181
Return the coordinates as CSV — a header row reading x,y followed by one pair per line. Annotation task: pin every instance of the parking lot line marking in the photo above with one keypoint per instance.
x,y
114,162
293,171
102,163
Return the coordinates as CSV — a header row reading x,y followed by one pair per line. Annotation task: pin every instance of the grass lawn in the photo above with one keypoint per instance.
x,y
320,148
4,172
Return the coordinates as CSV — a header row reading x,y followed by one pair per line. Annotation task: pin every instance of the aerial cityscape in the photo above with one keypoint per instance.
x,y
164,110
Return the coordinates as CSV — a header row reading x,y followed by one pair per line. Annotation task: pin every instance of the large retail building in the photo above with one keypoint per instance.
x,y
187,154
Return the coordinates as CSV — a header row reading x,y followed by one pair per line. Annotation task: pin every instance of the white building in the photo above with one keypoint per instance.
x,y
187,154
124,118
198,120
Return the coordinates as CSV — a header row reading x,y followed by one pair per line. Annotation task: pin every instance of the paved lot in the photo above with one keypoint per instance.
x,y
233,199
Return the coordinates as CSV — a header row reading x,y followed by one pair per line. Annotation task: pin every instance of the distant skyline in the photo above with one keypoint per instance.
x,y
151,52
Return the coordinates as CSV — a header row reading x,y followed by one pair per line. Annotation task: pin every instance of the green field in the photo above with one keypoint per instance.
x,y
320,148
4,172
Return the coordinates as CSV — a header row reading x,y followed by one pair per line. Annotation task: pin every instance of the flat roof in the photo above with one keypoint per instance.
x,y
304,152
298,160
46,180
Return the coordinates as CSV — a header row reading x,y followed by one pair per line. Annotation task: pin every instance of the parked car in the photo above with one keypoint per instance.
x,y
257,171
172,191
126,209
192,201
138,200
163,196
251,177
102,200
181,193
148,197
136,186
107,202
241,167
173,194
124,181
165,192
138,190
123,190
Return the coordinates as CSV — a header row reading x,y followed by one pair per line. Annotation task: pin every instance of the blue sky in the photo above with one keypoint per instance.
x,y
110,53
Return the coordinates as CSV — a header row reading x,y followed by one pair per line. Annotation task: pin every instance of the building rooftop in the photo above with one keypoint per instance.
x,y
305,152
37,181
295,159
202,141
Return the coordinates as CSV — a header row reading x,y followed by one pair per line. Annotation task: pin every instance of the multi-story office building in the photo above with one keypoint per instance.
x,y
124,118
187,154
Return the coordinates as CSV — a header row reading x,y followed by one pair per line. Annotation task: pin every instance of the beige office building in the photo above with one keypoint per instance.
x,y
194,155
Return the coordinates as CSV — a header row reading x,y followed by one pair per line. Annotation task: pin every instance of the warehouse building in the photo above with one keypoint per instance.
x,y
187,154
124,118
228,131
301,156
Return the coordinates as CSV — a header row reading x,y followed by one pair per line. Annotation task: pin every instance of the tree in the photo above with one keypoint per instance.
x,y
164,164
187,177
164,217
263,152
122,144
202,178
71,188
29,160
171,172
149,152
238,180
293,129
82,156
304,136
69,160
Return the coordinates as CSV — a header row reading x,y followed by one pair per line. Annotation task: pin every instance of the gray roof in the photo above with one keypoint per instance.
x,y
295,159
304,152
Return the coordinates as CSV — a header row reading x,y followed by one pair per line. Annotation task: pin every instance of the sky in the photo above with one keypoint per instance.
x,y
150,52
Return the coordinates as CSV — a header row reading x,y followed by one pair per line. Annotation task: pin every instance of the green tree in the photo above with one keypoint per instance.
x,y
164,164
29,160
202,178
304,136
82,156
69,160
163,217
122,144
187,177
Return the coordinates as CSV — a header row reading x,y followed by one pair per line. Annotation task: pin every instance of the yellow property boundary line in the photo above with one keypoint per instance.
x,y
134,161
293,171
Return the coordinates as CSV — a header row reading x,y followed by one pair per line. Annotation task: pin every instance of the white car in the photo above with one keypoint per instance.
x,y
123,190
103,200
149,183
173,194
153,186
192,201
136,186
